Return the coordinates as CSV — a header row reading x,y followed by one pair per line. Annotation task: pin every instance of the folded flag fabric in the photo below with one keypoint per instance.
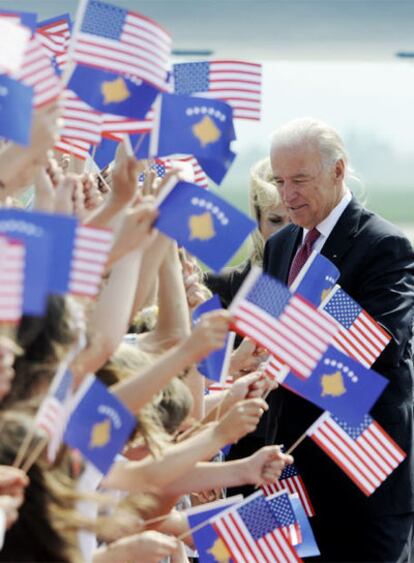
x,y
287,325
308,546
54,409
90,255
124,58
12,262
251,533
214,366
16,103
19,225
54,34
115,126
339,384
81,122
291,481
365,452
99,424
209,227
209,545
359,335
282,510
239,83
188,125
77,148
316,279
38,72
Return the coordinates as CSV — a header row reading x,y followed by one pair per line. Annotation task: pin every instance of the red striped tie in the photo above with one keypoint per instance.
x,y
303,253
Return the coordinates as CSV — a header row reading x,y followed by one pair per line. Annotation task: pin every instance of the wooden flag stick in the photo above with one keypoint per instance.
x,y
24,448
192,530
138,143
156,519
37,451
298,441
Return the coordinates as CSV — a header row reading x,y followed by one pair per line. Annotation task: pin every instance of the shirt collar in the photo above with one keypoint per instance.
x,y
326,226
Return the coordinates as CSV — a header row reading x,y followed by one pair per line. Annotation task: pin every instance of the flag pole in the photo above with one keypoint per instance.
x,y
37,451
308,431
298,441
192,530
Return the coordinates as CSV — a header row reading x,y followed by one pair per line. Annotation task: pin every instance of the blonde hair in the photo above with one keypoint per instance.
x,y
263,194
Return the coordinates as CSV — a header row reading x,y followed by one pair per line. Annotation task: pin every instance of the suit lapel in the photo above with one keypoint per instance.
x,y
342,235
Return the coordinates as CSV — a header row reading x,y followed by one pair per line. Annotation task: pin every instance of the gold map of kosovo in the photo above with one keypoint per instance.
x,y
206,131
114,91
325,294
201,226
101,434
219,551
333,385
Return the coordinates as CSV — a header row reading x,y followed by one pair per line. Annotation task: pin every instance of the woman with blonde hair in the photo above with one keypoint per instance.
x,y
268,211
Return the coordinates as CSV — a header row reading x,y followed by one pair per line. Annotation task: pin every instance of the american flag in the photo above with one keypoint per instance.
x,y
12,267
13,43
366,453
115,127
90,255
80,149
81,122
282,510
162,165
276,369
359,335
54,34
123,42
52,414
239,83
291,481
251,533
37,71
286,325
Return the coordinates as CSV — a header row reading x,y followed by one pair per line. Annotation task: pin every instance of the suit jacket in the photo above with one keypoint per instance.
x,y
376,263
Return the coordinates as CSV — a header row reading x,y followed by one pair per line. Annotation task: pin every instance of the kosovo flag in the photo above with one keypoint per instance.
x,y
316,279
111,93
105,152
38,252
62,231
340,385
205,224
212,366
210,546
99,424
192,125
15,110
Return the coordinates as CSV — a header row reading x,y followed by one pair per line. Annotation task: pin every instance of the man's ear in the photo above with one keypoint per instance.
x,y
340,169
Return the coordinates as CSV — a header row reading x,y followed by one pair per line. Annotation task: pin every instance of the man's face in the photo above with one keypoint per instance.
x,y
308,190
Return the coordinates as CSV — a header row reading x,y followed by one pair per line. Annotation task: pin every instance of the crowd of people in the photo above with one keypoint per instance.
x,y
138,340
137,337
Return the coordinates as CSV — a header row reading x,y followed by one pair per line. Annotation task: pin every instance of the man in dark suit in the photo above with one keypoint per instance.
x,y
376,263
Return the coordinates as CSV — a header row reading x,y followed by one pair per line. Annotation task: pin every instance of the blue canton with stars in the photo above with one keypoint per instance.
x,y
158,168
257,517
282,510
270,295
103,20
343,308
288,471
354,431
191,77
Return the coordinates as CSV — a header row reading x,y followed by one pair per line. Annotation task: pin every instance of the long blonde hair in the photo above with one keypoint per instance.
x,y
263,194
